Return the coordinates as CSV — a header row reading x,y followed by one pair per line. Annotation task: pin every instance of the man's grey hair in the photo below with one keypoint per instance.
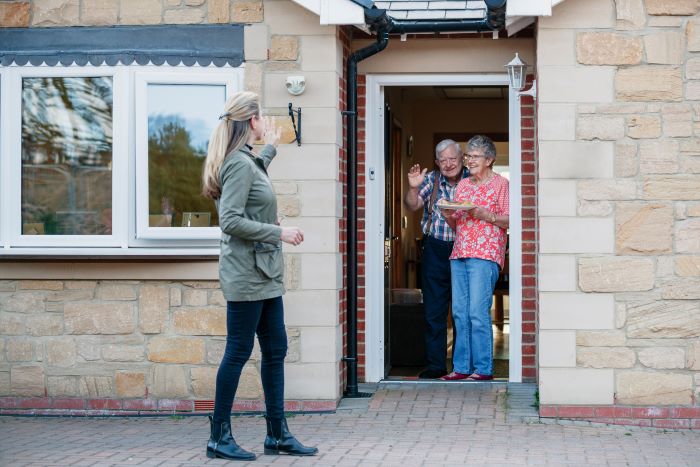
x,y
484,144
445,144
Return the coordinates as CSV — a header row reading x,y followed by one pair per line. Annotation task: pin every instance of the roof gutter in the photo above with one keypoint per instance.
x,y
380,23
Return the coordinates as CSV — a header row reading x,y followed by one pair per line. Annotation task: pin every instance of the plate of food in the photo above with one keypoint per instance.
x,y
455,205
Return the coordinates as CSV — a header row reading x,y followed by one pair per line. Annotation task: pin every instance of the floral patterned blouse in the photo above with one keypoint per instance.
x,y
477,238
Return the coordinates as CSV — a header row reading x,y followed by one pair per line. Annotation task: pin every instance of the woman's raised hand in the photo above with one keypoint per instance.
x,y
292,235
273,133
416,176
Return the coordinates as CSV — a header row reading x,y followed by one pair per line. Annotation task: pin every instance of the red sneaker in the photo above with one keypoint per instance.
x,y
454,376
478,377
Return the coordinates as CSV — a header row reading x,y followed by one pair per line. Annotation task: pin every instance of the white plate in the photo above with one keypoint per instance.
x,y
455,208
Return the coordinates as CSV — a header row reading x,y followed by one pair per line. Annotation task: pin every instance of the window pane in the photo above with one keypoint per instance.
x,y
181,118
67,156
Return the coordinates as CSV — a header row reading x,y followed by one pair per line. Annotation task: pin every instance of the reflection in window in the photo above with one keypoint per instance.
x,y
67,156
181,118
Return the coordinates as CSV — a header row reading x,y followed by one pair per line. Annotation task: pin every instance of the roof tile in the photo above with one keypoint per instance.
x,y
446,5
426,14
434,9
398,14
409,5
464,14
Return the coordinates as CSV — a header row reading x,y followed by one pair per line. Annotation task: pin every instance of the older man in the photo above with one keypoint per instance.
x,y
425,190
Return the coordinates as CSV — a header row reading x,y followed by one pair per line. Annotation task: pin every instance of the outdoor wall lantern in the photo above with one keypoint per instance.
x,y
516,77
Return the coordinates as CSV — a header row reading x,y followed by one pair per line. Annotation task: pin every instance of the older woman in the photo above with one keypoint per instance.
x,y
478,254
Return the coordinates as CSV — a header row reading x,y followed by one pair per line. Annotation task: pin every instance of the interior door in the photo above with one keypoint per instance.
x,y
388,215
398,272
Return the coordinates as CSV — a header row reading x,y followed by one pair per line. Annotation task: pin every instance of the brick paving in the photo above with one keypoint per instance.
x,y
431,424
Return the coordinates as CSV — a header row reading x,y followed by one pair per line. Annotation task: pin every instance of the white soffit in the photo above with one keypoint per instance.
x,y
311,5
517,23
522,13
530,7
335,11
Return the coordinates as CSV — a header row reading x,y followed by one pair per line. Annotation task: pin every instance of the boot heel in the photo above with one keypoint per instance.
x,y
271,452
210,454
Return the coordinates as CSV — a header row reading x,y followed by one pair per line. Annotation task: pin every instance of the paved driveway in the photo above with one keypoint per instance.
x,y
402,425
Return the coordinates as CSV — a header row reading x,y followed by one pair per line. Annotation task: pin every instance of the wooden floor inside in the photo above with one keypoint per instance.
x,y
501,336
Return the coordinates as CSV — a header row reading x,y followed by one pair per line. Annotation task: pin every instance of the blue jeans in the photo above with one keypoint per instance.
x,y
435,281
473,281
243,320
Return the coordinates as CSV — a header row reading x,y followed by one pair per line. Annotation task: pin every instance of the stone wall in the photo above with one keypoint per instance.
x,y
117,339
122,340
162,339
131,346
51,13
619,120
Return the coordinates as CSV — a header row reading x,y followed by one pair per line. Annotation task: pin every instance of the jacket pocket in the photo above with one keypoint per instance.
x,y
268,259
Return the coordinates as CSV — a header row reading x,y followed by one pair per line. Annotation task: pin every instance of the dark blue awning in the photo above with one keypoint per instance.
x,y
172,44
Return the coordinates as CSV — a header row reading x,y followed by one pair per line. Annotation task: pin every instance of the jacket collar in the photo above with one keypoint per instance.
x,y
248,151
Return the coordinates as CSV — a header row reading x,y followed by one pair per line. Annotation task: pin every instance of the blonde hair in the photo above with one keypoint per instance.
x,y
230,135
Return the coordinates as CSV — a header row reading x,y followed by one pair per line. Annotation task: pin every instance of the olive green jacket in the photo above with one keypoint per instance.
x,y
250,263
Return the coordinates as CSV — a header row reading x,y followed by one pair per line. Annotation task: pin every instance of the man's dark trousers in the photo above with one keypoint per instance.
x,y
437,292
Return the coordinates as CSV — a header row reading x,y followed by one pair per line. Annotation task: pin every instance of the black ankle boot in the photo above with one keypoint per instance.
x,y
221,443
280,441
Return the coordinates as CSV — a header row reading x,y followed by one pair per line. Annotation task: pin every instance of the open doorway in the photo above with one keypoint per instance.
x,y
415,119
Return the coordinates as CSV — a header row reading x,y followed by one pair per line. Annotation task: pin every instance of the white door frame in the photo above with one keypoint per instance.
x,y
374,211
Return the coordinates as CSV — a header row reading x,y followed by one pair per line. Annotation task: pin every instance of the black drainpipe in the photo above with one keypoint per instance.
x,y
351,112
379,22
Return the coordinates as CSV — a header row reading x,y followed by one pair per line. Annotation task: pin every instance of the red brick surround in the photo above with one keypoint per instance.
x,y
343,34
529,222
652,416
530,240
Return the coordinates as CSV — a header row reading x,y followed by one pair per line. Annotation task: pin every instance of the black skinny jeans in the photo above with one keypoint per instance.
x,y
243,320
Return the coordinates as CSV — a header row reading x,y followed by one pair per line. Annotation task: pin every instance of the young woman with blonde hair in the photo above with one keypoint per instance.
x,y
250,271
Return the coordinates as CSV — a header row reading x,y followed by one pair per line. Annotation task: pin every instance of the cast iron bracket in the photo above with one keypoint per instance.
x,y
297,129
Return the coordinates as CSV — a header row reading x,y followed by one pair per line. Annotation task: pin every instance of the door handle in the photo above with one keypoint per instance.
x,y
387,253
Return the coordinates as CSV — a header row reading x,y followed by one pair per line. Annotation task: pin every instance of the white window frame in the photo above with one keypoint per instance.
x,y
141,81
12,170
129,122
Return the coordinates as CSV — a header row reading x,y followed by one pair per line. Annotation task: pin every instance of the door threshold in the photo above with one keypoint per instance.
x,y
416,380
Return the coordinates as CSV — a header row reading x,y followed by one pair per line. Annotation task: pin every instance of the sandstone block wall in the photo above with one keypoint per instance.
x,y
51,13
138,339
117,339
164,339
619,203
